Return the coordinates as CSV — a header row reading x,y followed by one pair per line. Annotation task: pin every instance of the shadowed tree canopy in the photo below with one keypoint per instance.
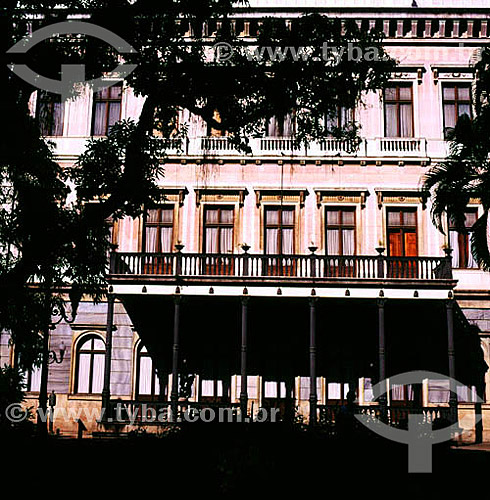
x,y
51,243
465,173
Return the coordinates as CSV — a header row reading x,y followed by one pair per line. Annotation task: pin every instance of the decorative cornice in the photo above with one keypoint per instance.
x,y
341,195
295,195
221,194
401,195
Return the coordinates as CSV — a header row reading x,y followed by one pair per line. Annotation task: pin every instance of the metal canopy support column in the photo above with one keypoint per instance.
x,y
381,354
106,391
174,394
453,401
243,361
313,394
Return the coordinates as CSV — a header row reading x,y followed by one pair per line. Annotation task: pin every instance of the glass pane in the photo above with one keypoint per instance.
x,y
35,379
390,93
391,128
449,116
348,218
334,390
212,242
212,216
271,240
270,389
393,218
252,386
152,215
145,374
98,373
368,390
100,127
470,218
115,91
99,345
227,216
114,113
288,241
86,345
167,214
151,239
332,217
207,388
439,391
272,216
288,217
166,239
348,242
405,93
409,218
464,109
463,93
406,121
83,373
333,243
226,240
449,93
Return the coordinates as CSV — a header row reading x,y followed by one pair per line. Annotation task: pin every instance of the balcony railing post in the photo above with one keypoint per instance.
x,y
246,259
313,248
178,257
381,261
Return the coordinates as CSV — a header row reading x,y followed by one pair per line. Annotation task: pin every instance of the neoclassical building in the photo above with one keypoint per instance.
x,y
288,277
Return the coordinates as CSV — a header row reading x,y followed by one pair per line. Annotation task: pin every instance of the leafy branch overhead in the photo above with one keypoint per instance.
x,y
55,220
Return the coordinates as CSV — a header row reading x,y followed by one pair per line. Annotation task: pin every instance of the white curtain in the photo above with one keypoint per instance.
x,y
57,118
348,242
271,240
151,239
454,242
391,129
211,240
207,388
114,114
83,373
368,390
226,239
35,379
439,391
288,241
145,375
471,261
100,118
166,239
252,386
449,116
98,373
334,390
333,243
406,121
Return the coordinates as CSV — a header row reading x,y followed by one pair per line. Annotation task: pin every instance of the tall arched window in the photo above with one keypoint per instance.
x,y
147,383
90,365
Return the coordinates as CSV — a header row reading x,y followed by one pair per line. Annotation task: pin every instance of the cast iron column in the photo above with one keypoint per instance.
x,y
381,354
453,401
313,394
106,391
174,394
243,361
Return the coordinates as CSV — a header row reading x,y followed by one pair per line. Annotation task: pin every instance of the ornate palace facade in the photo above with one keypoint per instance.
x,y
307,273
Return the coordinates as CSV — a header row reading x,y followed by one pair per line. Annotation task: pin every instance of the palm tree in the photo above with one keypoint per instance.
x,y
465,173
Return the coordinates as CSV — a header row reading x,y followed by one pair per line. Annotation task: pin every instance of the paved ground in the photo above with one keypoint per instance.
x,y
263,462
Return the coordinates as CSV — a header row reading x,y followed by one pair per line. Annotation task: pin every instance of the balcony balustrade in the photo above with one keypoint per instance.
x,y
158,412
262,267
402,147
